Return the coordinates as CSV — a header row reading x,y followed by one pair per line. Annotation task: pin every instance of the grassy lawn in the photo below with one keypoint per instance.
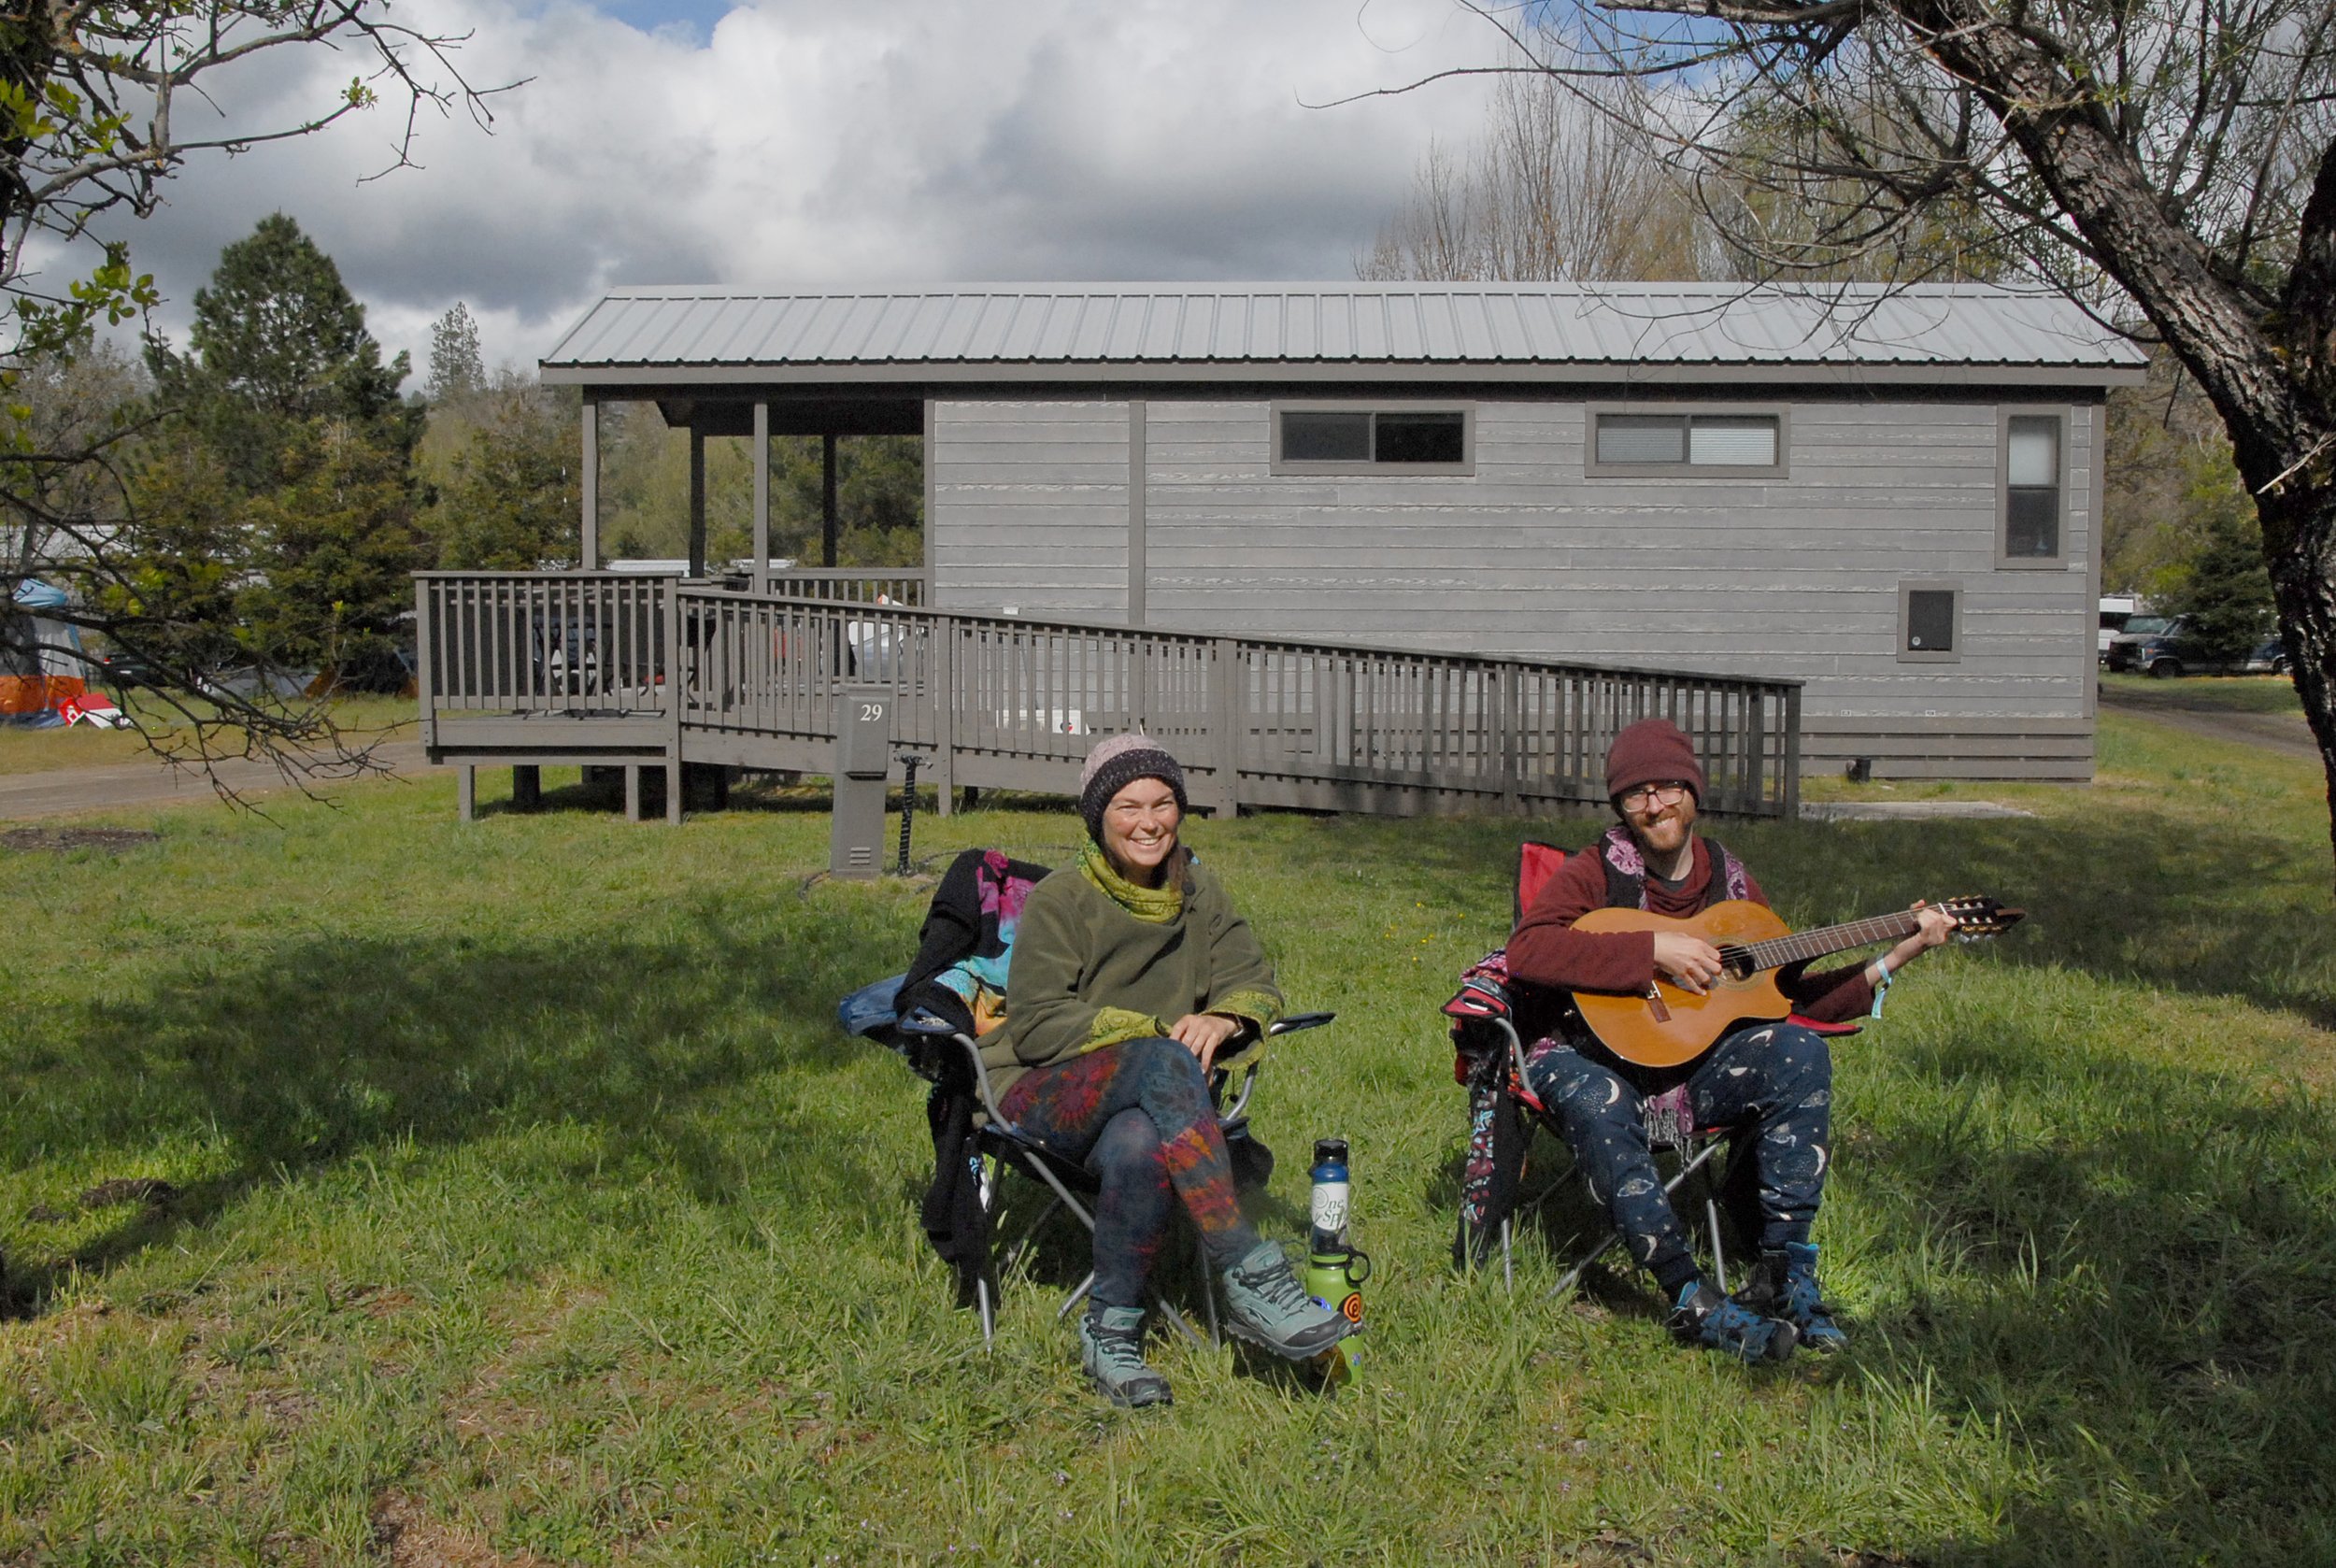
x,y
2244,693
519,1203
364,719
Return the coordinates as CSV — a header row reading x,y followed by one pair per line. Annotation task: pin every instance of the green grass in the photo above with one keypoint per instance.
x,y
363,721
525,1200
2251,693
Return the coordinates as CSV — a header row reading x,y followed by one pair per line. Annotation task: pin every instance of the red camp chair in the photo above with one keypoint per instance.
x,y
1489,1061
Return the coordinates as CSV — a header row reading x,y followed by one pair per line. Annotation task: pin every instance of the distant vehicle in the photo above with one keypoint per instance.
x,y
2162,646
2117,610
122,670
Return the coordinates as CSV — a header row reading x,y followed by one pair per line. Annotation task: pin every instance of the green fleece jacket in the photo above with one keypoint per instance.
x,y
1088,972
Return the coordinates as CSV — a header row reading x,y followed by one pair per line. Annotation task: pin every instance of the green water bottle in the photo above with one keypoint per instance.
x,y
1334,1270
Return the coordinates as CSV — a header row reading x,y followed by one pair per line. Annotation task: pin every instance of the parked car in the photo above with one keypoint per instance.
x,y
2269,657
2163,645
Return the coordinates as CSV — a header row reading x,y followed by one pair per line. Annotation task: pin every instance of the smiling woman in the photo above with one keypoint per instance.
x,y
1131,973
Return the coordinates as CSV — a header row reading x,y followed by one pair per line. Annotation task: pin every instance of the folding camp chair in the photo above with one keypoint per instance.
x,y
968,932
1490,1060
1004,1146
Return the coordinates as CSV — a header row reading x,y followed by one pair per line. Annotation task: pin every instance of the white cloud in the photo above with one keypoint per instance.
x,y
824,143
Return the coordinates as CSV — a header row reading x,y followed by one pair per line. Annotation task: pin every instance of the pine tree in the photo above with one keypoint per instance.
x,y
2222,590
278,339
456,371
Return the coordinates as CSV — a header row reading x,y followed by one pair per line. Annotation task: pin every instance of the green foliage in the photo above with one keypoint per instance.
x,y
512,500
578,1231
879,494
2221,589
456,371
339,542
277,340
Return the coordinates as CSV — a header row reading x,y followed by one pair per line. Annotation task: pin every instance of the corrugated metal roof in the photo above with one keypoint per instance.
x,y
1163,325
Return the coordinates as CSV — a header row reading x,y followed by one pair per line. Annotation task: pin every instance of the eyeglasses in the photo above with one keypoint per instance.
x,y
1653,794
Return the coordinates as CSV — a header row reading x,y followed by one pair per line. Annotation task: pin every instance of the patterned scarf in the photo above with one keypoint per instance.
x,y
1154,906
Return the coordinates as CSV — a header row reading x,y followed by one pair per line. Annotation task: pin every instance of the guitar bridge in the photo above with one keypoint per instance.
x,y
1655,1003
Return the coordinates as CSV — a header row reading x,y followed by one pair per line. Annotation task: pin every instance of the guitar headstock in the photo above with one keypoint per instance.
x,y
1977,915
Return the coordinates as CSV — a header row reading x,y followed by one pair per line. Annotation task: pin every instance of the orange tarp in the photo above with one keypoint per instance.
x,y
33,694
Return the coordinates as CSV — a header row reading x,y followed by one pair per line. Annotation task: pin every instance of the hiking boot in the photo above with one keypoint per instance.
x,y
1704,1317
1111,1351
1265,1304
1783,1285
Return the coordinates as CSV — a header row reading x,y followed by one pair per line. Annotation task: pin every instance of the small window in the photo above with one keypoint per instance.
x,y
1346,440
1930,622
2031,487
1720,445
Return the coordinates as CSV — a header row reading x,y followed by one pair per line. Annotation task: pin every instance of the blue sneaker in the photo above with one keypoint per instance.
x,y
1704,1317
1111,1352
1783,1285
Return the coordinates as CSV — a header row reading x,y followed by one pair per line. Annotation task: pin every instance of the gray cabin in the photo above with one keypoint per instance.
x,y
1892,497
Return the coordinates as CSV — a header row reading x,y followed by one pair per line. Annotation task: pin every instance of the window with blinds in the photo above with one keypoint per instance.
x,y
2031,487
1686,443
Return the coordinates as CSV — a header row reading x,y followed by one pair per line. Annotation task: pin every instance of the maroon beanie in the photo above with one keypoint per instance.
x,y
1652,751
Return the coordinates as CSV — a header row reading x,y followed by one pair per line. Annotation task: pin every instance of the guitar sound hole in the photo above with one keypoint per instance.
x,y
1735,964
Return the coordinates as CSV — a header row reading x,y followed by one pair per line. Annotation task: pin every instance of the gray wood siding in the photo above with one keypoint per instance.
x,y
1030,508
1796,576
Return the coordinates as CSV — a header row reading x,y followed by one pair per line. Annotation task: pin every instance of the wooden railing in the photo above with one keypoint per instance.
x,y
1012,702
856,585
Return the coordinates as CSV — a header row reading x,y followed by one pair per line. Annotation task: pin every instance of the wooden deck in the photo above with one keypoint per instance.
x,y
526,670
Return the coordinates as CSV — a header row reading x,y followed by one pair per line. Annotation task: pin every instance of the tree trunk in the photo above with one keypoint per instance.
x,y
2266,377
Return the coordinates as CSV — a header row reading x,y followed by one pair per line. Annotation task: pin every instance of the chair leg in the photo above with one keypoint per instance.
x,y
989,1310
1719,1259
1208,1289
1508,1262
1076,1296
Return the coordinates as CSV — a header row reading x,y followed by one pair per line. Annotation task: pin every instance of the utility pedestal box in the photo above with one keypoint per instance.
x,y
863,756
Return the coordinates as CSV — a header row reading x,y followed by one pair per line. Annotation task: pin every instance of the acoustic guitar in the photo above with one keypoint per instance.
x,y
1664,1026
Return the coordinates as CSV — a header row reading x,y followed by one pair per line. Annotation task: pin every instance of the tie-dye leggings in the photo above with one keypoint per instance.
x,y
1772,1082
1138,1116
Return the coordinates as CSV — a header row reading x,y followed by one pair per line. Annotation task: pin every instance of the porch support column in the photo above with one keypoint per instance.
x,y
591,475
1136,460
697,501
761,495
827,499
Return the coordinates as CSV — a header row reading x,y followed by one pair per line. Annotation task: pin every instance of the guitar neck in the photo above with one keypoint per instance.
x,y
1803,946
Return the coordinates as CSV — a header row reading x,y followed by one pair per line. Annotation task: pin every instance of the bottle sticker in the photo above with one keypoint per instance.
x,y
1329,1207
1351,1308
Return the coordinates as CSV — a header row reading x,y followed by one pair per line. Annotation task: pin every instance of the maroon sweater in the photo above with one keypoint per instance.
x,y
1546,951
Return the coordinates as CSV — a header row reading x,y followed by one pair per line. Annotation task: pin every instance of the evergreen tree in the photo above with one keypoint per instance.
x,y
514,498
2222,590
277,340
456,371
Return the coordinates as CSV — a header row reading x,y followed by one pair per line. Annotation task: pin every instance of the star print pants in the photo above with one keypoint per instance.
x,y
1771,1083
1138,1116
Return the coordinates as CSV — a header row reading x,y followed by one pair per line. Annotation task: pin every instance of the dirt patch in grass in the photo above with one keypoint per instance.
x,y
410,1537
76,838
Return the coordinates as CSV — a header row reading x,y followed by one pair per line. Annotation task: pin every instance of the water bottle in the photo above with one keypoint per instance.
x,y
1334,1270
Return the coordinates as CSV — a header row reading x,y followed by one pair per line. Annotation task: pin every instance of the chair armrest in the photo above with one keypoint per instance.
x,y
1296,1021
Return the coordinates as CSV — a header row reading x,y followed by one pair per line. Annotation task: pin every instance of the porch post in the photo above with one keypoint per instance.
x,y
761,495
697,500
827,499
590,561
1137,465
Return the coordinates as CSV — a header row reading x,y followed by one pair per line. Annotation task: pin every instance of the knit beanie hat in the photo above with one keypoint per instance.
x,y
1115,764
1652,751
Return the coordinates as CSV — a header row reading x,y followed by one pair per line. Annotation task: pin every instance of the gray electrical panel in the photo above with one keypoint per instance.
x,y
863,756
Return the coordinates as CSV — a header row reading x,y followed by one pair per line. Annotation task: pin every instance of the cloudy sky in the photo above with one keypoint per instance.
x,y
814,143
